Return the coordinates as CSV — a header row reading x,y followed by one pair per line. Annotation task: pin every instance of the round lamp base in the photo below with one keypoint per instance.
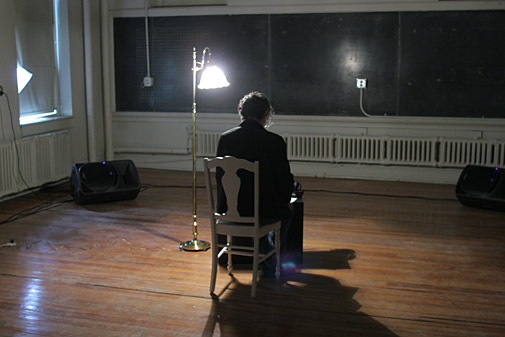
x,y
194,245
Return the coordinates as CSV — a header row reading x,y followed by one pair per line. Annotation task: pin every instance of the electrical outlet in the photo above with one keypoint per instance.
x,y
361,83
148,82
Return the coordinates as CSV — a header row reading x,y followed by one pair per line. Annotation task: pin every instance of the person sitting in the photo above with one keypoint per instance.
x,y
252,141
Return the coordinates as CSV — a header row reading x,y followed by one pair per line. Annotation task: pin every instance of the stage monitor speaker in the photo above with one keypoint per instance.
x,y
104,181
481,186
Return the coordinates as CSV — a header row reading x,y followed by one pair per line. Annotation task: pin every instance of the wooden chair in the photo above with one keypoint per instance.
x,y
232,224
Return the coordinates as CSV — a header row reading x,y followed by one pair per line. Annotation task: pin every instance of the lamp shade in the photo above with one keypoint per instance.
x,y
213,78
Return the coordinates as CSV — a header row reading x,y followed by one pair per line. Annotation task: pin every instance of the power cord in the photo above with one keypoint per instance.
x,y
43,206
381,195
361,104
11,243
52,246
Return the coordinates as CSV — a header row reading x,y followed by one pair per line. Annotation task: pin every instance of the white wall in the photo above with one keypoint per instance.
x,y
8,62
190,7
73,93
94,85
73,90
159,140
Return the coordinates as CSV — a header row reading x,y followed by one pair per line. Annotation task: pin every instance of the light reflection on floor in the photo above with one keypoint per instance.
x,y
30,306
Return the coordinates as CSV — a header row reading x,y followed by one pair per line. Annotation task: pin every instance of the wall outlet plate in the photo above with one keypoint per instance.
x,y
361,83
148,81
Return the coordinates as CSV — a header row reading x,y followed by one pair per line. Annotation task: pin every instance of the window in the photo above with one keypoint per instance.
x,y
36,43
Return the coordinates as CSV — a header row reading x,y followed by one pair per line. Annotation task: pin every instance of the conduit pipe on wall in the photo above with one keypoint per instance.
x,y
107,109
147,42
90,113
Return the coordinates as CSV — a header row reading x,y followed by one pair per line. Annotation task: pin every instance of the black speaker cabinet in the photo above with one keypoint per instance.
x,y
104,181
480,186
295,233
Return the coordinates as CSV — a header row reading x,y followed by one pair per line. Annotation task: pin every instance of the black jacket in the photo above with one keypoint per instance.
x,y
251,141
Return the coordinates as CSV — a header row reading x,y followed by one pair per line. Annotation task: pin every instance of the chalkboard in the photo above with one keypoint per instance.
x,y
237,45
447,64
452,64
316,59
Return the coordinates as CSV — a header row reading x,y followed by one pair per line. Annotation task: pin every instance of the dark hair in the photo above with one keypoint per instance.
x,y
255,105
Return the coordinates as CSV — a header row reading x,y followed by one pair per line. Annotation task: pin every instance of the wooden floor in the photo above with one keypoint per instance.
x,y
380,259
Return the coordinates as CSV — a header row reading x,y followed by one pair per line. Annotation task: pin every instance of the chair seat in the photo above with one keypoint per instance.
x,y
244,229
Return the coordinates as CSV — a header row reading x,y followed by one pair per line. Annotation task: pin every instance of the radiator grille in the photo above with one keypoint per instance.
x,y
407,151
499,154
310,148
41,159
206,143
462,152
8,169
381,150
360,149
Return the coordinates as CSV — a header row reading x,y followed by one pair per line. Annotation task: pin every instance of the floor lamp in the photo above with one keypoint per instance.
x,y
212,78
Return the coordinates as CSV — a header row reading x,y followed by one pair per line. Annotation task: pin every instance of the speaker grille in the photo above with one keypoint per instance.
x,y
481,186
98,177
479,180
104,181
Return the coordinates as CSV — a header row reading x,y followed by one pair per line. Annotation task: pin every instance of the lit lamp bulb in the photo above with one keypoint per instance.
x,y
213,78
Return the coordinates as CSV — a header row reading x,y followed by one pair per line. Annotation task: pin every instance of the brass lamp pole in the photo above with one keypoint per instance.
x,y
212,78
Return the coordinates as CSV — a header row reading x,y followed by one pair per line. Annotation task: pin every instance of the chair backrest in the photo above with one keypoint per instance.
x,y
230,183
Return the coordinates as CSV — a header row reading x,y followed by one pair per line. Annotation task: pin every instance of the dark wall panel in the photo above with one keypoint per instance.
x,y
316,59
237,44
447,64
452,64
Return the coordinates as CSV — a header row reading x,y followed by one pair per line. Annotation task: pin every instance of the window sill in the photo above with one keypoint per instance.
x,y
39,120
47,124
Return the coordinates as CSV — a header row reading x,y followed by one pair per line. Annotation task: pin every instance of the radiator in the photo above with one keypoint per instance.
x,y
38,159
206,143
462,152
310,148
299,147
8,170
360,149
499,154
411,151
435,152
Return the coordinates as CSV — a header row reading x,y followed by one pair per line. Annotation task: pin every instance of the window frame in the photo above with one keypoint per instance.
x,y
26,118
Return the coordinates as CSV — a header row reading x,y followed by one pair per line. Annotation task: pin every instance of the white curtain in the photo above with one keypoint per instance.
x,y
35,44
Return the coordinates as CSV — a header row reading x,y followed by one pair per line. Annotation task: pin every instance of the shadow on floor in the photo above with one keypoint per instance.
x,y
301,304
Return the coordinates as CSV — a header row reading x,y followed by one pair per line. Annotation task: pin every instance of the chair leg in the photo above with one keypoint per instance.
x,y
255,266
213,276
278,253
229,240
